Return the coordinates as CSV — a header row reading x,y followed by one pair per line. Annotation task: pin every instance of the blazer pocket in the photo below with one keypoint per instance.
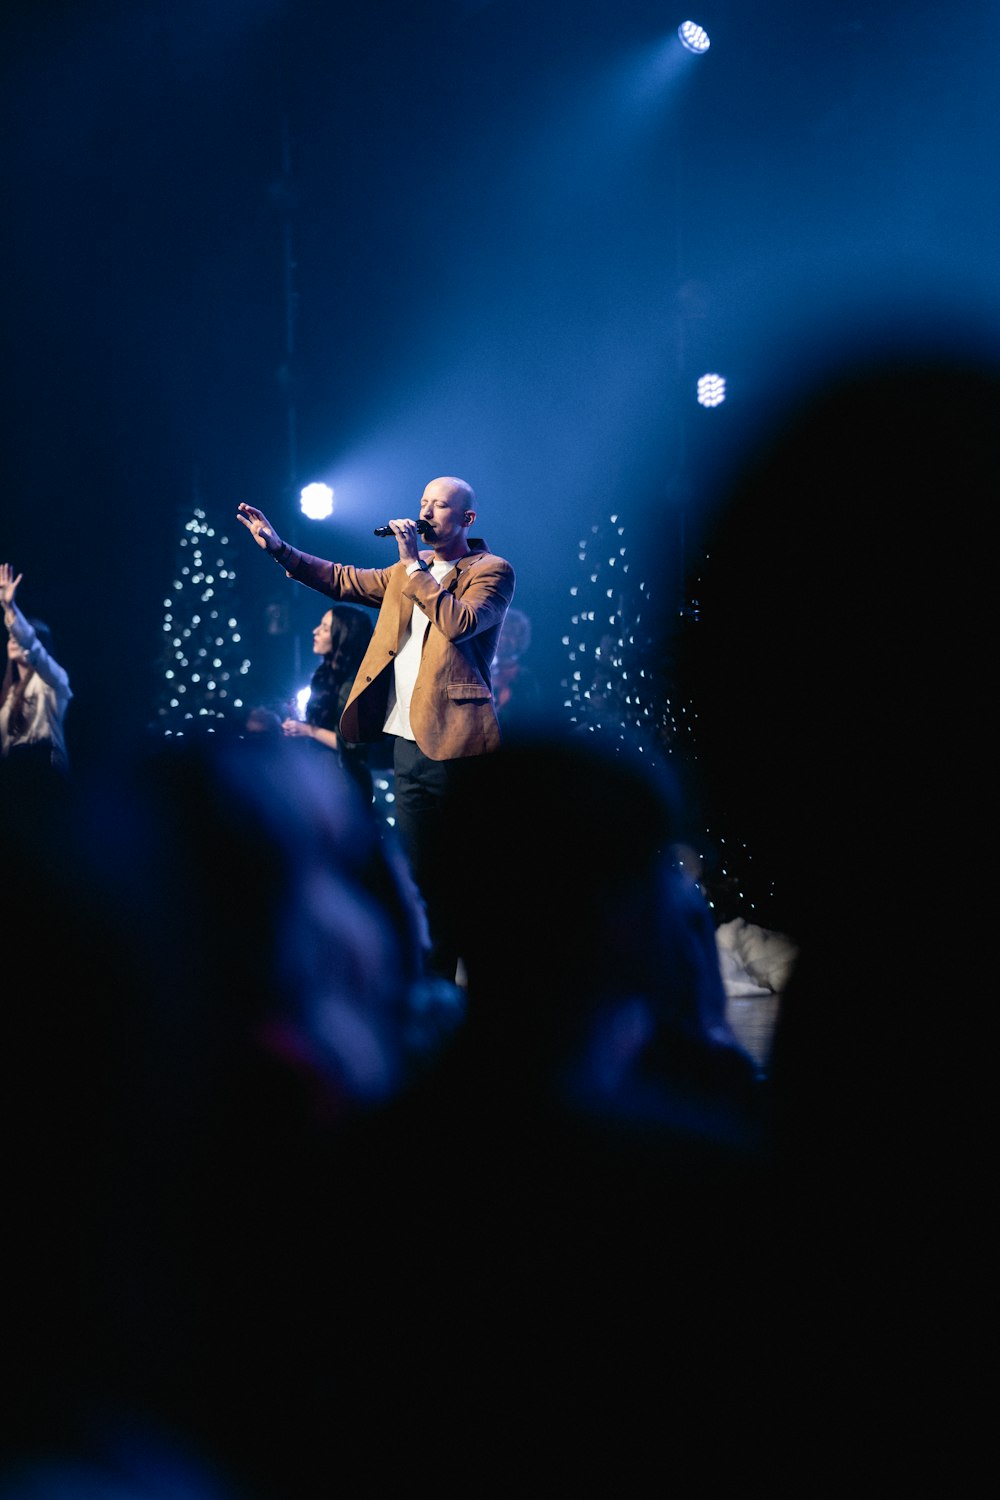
x,y
468,692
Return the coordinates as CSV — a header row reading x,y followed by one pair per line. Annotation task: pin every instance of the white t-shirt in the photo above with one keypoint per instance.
x,y
407,664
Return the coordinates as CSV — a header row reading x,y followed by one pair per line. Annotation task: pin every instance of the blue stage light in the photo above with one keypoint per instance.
x,y
693,36
711,390
316,501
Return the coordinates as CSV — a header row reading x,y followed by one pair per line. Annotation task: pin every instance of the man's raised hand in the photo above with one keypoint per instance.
x,y
259,526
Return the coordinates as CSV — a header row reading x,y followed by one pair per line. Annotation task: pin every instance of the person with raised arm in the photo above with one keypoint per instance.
x,y
425,678
36,692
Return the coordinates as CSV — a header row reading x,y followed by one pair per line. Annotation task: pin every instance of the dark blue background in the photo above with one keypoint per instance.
x,y
250,245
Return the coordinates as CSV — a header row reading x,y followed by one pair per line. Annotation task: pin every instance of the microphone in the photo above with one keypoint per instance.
x,y
422,530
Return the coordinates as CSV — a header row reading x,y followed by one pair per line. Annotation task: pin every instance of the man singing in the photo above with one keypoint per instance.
x,y
425,678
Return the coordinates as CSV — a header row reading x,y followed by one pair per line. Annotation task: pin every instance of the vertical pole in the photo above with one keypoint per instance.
x,y
680,432
291,310
289,373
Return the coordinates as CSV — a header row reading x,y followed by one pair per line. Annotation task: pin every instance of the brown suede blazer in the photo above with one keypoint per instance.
x,y
452,712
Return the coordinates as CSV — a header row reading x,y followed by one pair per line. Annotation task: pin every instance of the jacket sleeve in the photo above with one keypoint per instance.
x,y
45,665
480,605
337,580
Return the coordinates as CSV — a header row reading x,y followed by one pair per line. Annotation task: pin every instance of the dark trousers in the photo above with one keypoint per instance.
x,y
420,788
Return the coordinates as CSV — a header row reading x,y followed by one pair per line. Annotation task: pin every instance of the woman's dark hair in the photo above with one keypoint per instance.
x,y
330,685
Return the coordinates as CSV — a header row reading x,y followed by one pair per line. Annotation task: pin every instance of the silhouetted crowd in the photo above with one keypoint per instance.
x,y
285,1216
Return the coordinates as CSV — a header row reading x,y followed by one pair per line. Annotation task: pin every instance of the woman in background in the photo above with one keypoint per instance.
x,y
36,690
340,640
516,689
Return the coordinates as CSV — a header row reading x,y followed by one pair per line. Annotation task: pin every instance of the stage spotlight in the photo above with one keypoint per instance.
x,y
316,501
711,390
693,36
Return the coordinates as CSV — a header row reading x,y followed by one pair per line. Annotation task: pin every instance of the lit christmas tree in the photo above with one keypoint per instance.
x,y
619,678
620,684
203,664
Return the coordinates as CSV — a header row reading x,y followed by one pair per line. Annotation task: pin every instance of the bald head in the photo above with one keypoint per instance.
x,y
457,490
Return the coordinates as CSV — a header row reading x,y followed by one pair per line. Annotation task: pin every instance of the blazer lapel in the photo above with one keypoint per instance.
x,y
405,614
